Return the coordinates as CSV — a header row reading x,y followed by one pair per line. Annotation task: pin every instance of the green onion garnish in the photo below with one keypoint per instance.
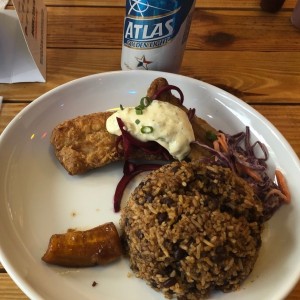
x,y
145,102
137,121
121,107
138,110
147,129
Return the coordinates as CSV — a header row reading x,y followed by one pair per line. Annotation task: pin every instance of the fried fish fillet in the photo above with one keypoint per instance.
x,y
83,143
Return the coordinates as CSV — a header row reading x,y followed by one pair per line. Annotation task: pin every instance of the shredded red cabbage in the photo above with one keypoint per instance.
x,y
169,88
241,153
223,160
130,170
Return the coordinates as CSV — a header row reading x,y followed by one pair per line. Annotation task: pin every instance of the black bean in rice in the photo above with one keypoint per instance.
x,y
190,228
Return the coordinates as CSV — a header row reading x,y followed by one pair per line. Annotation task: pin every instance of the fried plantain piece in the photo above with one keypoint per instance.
x,y
83,143
98,246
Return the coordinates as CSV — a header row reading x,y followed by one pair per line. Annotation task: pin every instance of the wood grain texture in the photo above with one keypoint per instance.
x,y
286,118
7,113
220,4
269,77
221,30
9,290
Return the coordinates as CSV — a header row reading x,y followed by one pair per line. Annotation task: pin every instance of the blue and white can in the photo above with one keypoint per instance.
x,y
155,34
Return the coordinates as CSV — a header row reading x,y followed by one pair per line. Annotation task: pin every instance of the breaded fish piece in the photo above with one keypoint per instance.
x,y
83,143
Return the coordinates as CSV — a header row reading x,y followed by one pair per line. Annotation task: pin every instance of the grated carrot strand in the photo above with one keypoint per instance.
x,y
222,141
283,185
252,173
216,145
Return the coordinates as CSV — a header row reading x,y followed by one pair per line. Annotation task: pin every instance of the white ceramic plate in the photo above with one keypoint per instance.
x,y
38,198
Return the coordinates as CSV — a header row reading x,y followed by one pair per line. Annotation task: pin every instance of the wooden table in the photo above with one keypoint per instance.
x,y
232,44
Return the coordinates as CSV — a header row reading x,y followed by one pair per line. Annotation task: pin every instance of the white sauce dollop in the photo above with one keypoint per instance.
x,y
169,124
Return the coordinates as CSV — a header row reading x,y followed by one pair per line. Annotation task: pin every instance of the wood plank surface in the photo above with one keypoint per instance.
x,y
219,4
7,113
273,78
221,30
286,118
9,290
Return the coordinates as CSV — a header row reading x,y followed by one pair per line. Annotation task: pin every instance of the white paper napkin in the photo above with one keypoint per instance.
x,y
16,61
23,55
3,3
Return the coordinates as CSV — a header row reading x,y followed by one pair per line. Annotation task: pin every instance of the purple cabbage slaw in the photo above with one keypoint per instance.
x,y
240,157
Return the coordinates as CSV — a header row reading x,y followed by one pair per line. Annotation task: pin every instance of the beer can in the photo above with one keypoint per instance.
x,y
155,34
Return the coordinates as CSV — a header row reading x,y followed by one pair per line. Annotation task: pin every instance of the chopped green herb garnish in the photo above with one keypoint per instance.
x,y
121,107
137,121
138,110
145,102
211,136
147,129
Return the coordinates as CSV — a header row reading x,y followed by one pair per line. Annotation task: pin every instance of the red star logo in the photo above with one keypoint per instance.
x,y
142,62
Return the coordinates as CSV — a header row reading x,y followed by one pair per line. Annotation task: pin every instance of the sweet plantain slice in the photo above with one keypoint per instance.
x,y
98,246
